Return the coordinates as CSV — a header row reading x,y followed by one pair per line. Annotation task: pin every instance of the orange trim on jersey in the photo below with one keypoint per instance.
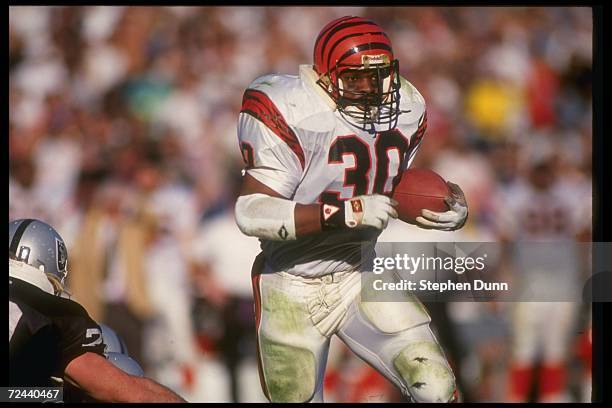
x,y
255,279
418,135
261,107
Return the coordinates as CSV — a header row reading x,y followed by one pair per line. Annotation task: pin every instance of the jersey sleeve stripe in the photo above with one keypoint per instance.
x,y
417,137
422,128
259,105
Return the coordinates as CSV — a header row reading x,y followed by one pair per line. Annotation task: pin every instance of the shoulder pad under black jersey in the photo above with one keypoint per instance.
x,y
45,303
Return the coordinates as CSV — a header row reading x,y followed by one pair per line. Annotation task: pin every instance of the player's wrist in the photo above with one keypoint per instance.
x,y
348,214
332,216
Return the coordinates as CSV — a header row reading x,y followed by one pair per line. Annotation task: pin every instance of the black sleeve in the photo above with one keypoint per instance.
x,y
77,335
51,332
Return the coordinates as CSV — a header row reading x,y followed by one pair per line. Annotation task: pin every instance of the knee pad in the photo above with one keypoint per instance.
x,y
425,372
289,372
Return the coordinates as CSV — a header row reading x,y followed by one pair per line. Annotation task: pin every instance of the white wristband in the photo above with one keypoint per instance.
x,y
262,216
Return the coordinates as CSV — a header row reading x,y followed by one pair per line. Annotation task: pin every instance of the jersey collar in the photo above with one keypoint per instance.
x,y
31,275
310,77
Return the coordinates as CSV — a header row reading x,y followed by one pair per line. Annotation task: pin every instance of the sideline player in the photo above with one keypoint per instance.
x,y
323,151
546,218
52,336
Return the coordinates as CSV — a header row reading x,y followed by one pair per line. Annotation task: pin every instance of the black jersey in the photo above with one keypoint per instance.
x,y
46,332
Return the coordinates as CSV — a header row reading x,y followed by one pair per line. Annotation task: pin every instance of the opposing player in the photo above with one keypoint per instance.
x,y
115,351
54,337
323,151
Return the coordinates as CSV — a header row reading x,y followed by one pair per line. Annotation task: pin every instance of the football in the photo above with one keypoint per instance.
x,y
419,189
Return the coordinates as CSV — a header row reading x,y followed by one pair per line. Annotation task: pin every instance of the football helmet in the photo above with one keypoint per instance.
x,y
113,343
38,244
125,363
357,44
116,352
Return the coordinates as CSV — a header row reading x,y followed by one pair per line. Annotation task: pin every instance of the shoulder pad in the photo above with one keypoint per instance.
x,y
299,105
412,102
410,92
280,90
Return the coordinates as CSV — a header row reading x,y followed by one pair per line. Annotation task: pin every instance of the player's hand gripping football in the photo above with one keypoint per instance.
x,y
450,220
371,210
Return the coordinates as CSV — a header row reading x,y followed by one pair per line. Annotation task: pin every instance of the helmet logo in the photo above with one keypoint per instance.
x,y
367,60
62,255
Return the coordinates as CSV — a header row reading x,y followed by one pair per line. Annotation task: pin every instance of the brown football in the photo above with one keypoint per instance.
x,y
419,189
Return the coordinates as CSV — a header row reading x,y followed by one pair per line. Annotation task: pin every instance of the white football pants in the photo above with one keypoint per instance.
x,y
297,316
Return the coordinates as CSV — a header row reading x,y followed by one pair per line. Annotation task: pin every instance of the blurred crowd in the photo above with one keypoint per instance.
x,y
122,135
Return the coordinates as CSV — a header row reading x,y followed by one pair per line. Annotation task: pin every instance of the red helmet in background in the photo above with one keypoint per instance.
x,y
354,43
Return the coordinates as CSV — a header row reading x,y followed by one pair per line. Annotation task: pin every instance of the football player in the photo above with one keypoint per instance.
x,y
544,216
52,337
116,352
323,151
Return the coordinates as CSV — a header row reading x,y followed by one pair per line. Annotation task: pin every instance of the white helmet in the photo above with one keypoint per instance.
x,y
38,244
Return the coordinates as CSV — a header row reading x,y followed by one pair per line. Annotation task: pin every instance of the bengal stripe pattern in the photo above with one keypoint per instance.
x,y
343,26
348,36
330,26
259,105
422,127
417,137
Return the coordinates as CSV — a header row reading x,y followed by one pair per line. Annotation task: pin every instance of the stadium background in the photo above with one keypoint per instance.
x,y
122,134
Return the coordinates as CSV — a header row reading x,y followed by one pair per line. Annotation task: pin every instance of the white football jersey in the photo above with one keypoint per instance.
x,y
543,226
557,214
294,141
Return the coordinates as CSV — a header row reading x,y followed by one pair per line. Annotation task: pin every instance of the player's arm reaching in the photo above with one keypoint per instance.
x,y
263,212
103,381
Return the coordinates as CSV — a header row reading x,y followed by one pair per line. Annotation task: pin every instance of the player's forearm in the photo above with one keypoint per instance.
x,y
307,219
280,219
146,390
133,389
275,218
99,378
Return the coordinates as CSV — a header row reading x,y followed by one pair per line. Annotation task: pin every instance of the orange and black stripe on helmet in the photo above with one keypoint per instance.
x,y
356,43
349,42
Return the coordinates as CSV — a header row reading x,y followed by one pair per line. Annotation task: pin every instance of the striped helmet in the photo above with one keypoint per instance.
x,y
354,43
